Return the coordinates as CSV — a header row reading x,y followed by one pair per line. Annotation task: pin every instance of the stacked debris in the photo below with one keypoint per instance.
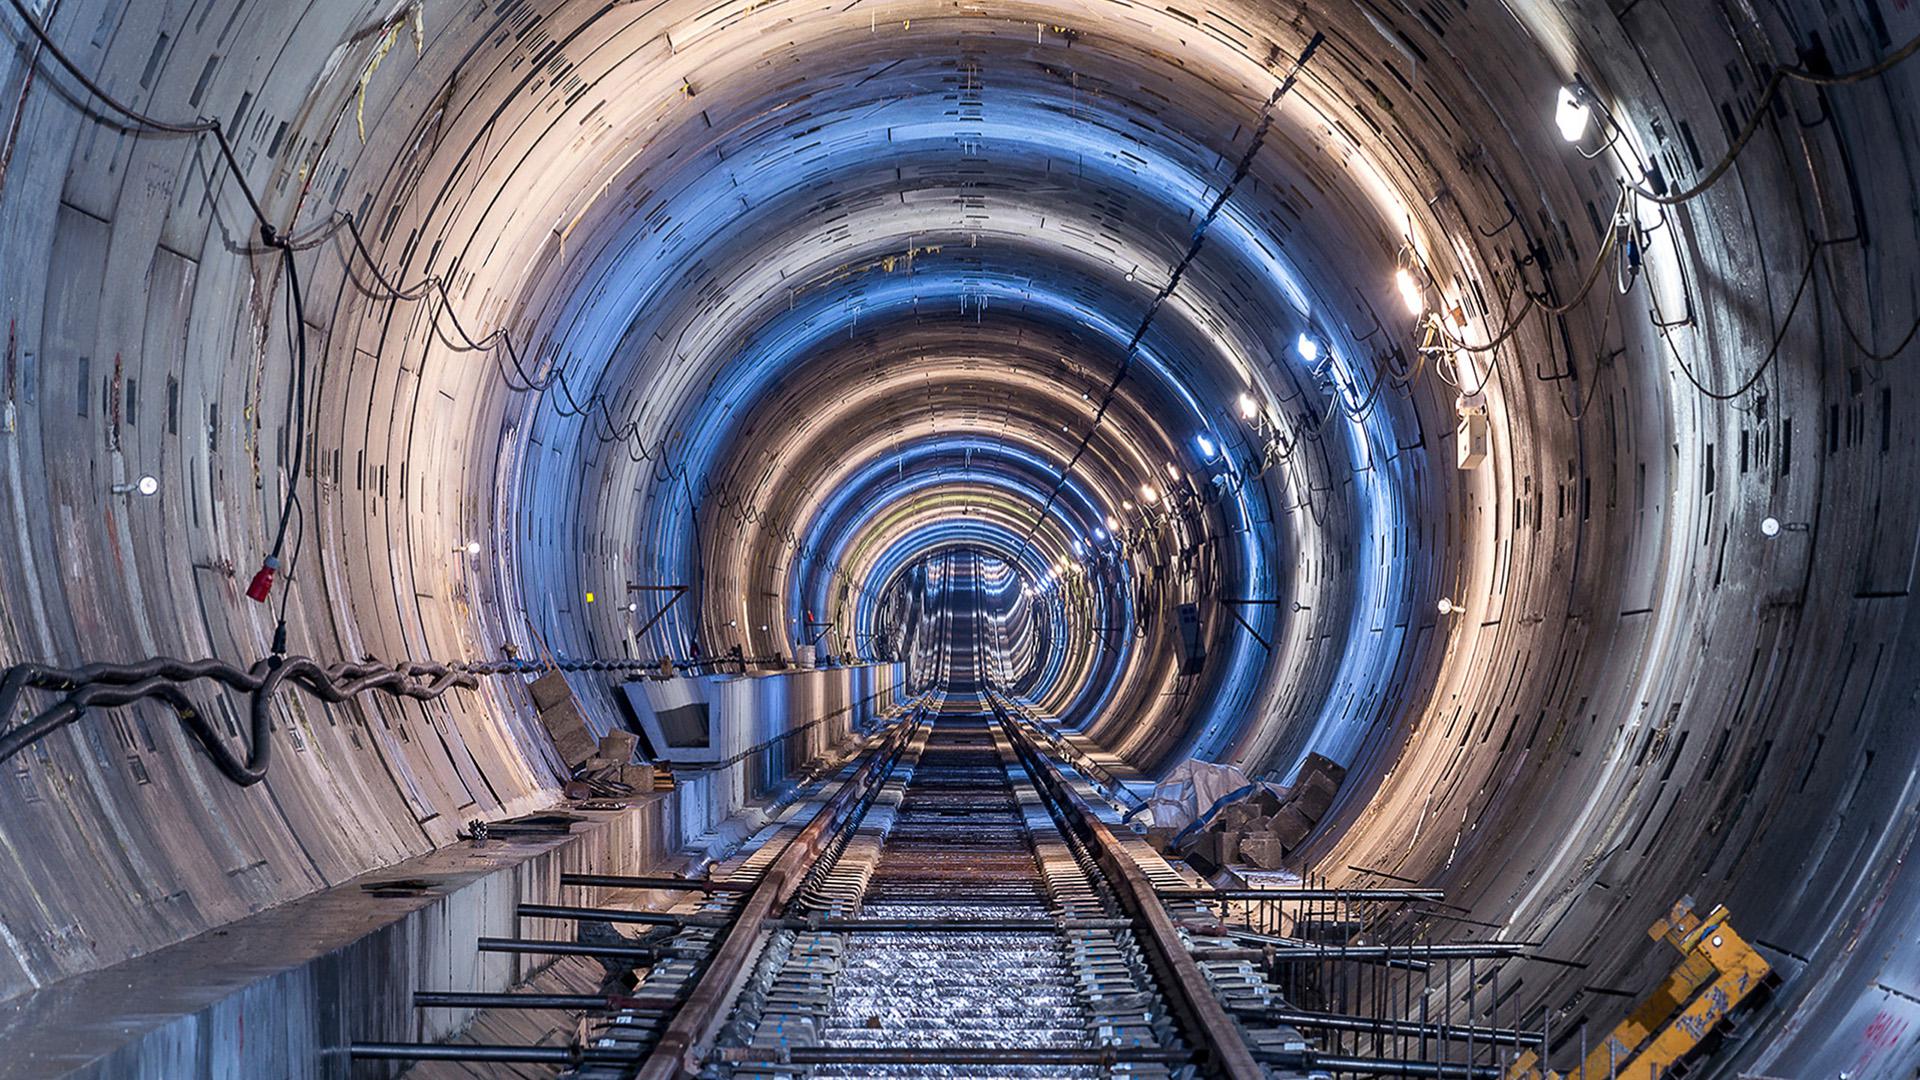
x,y
612,774
602,768
1255,823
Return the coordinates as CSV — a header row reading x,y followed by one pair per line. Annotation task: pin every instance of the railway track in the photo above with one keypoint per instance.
x,y
961,931
954,903
947,905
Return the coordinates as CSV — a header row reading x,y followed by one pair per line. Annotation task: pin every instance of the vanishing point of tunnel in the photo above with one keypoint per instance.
x,y
959,538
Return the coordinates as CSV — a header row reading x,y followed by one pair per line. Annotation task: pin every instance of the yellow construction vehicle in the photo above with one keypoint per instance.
x,y
1718,973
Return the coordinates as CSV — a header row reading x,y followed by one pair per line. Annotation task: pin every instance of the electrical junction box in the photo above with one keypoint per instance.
x,y
1472,430
1193,650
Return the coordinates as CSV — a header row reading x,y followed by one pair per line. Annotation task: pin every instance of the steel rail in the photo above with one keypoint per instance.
x,y
1187,990
688,1038
953,926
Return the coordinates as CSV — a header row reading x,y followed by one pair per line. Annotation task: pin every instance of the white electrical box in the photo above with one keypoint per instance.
x,y
1472,431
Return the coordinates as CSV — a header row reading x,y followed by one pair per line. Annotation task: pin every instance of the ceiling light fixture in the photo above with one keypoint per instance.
x,y
1572,115
1148,495
1410,291
1207,448
1112,524
1308,349
1249,408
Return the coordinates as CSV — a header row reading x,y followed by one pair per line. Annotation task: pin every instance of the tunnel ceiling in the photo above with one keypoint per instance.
x,y
792,304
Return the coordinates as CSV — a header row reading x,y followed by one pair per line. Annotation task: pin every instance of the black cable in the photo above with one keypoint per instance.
x,y
1762,108
501,340
1600,369
196,127
1533,302
109,685
164,679
286,245
296,416
1758,114
1241,170
270,237
1772,353
1858,339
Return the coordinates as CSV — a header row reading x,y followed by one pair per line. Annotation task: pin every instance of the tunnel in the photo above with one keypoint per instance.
x,y
549,442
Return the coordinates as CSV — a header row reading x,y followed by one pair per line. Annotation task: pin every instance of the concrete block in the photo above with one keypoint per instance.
x,y
560,715
1289,826
1263,850
619,746
549,690
1265,801
1315,796
1320,763
1218,847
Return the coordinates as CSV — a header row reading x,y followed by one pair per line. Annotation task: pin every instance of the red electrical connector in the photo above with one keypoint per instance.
x,y
263,580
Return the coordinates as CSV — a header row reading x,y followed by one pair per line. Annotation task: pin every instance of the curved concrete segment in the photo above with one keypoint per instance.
x,y
1512,403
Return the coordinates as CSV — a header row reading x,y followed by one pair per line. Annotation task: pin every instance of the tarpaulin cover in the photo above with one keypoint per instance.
x,y
1190,790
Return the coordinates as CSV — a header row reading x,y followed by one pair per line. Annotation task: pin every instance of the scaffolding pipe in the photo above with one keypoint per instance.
x,y
627,881
475,1052
452,999
619,915
1296,895
1360,1066
567,948
1409,1028
1485,950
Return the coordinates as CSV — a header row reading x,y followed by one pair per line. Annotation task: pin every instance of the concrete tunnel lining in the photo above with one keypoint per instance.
x,y
1643,695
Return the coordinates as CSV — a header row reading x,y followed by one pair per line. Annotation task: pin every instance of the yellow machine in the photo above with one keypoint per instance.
x,y
1718,971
